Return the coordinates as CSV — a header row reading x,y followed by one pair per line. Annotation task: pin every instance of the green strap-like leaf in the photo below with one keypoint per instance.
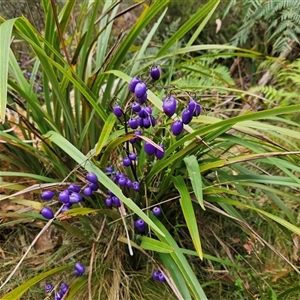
x,y
189,214
5,36
105,133
155,245
195,177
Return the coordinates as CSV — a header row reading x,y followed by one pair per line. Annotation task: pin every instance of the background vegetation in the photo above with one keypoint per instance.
x,y
228,186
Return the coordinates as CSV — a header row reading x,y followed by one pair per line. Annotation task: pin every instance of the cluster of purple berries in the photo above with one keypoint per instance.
x,y
70,196
150,149
158,275
140,223
122,180
79,270
63,290
169,107
141,114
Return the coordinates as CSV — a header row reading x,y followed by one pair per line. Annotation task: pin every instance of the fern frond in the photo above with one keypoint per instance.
x,y
282,18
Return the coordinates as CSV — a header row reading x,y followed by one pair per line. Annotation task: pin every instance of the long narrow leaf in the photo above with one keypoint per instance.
x,y
5,36
189,213
195,177
155,245
105,133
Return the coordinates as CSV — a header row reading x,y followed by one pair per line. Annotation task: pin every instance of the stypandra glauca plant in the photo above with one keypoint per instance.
x,y
129,164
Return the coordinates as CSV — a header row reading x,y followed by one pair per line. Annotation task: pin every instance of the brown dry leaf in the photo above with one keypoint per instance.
x,y
45,242
281,274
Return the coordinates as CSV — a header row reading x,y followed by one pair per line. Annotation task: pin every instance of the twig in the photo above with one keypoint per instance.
x,y
127,234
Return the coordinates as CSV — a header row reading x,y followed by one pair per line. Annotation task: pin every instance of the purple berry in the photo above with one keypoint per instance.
x,y
141,124
132,156
94,186
58,296
187,116
108,202
146,122
128,183
65,207
48,287
142,113
79,268
155,274
197,110
152,121
132,84
142,99
64,196
109,169
148,110
116,201
47,195
136,186
109,192
138,133
155,73
122,180
47,213
126,161
169,106
88,191
140,89
177,127
64,288
133,123
140,225
149,148
136,107
192,106
156,211
160,154
74,188
91,177
75,198
117,177
161,277
117,110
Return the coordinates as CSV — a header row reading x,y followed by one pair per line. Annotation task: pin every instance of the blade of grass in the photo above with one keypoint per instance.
x,y
207,15
189,213
155,245
195,177
105,133
5,36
